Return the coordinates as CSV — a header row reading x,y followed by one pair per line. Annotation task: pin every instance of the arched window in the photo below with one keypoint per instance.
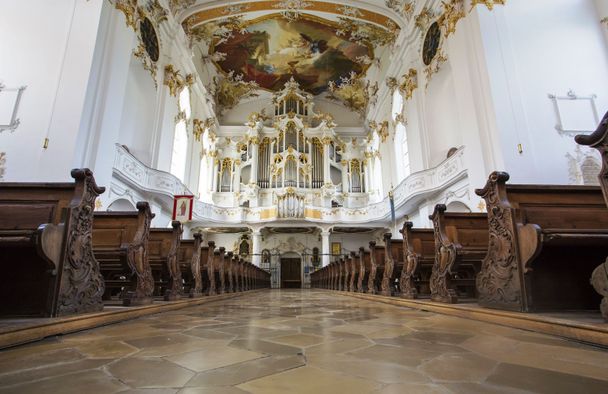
x,y
184,102
180,150
397,104
378,175
402,154
180,138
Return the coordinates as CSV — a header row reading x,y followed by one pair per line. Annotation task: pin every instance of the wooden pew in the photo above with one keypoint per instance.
x,y
345,272
385,267
229,273
375,275
418,257
353,271
545,243
211,262
461,243
364,266
236,272
120,244
46,250
163,246
599,140
242,265
335,275
204,271
393,252
189,257
221,270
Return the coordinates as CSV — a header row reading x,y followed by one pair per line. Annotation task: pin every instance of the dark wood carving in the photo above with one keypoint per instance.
x,y
410,265
445,256
82,285
230,288
353,272
389,266
211,269
361,277
46,241
346,272
545,242
371,283
222,270
137,258
174,292
599,281
599,141
242,269
237,274
195,265
498,282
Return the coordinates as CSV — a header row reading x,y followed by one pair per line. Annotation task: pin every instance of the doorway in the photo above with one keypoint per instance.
x,y
291,269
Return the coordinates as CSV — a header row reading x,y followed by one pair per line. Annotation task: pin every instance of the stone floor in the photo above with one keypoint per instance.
x,y
303,342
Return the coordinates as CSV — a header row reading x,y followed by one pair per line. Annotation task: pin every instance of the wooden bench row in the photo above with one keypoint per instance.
x,y
534,250
139,262
59,257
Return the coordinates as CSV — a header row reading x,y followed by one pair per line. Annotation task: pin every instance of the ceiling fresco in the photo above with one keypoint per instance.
x,y
270,50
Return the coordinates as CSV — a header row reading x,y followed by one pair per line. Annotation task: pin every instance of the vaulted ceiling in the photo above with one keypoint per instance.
x,y
248,49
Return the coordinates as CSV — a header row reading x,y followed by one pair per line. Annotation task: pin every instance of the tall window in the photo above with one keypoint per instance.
x,y
180,138
397,104
402,153
402,156
204,179
180,149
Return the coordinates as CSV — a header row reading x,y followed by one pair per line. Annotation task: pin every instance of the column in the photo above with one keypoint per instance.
x,y
326,174
236,181
366,174
215,172
325,247
256,239
344,176
254,159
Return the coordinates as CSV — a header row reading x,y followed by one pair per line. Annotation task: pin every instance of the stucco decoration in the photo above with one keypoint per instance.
x,y
356,93
230,90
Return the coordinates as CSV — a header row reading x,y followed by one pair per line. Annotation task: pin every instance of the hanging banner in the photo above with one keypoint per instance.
x,y
182,208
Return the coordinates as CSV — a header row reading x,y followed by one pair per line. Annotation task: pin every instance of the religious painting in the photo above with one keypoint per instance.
x,y
269,51
336,248
182,208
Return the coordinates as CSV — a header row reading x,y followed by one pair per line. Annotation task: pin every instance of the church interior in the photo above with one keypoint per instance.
x,y
303,196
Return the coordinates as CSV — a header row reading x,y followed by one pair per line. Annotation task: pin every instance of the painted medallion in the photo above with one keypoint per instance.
x,y
149,39
432,41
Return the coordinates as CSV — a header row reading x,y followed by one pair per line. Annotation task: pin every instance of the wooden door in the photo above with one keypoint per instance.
x,y
291,273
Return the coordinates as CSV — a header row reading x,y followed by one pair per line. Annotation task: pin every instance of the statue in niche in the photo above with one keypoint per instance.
x,y
244,246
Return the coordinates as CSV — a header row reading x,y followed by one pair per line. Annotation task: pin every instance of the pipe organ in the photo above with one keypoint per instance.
x,y
296,150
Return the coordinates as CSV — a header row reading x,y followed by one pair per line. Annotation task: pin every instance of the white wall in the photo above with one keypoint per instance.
x,y
534,49
48,46
137,120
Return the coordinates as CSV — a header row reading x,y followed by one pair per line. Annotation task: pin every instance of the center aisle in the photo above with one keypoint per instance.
x,y
303,341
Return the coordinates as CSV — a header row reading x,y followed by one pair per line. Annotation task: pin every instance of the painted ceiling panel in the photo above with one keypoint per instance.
x,y
270,50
